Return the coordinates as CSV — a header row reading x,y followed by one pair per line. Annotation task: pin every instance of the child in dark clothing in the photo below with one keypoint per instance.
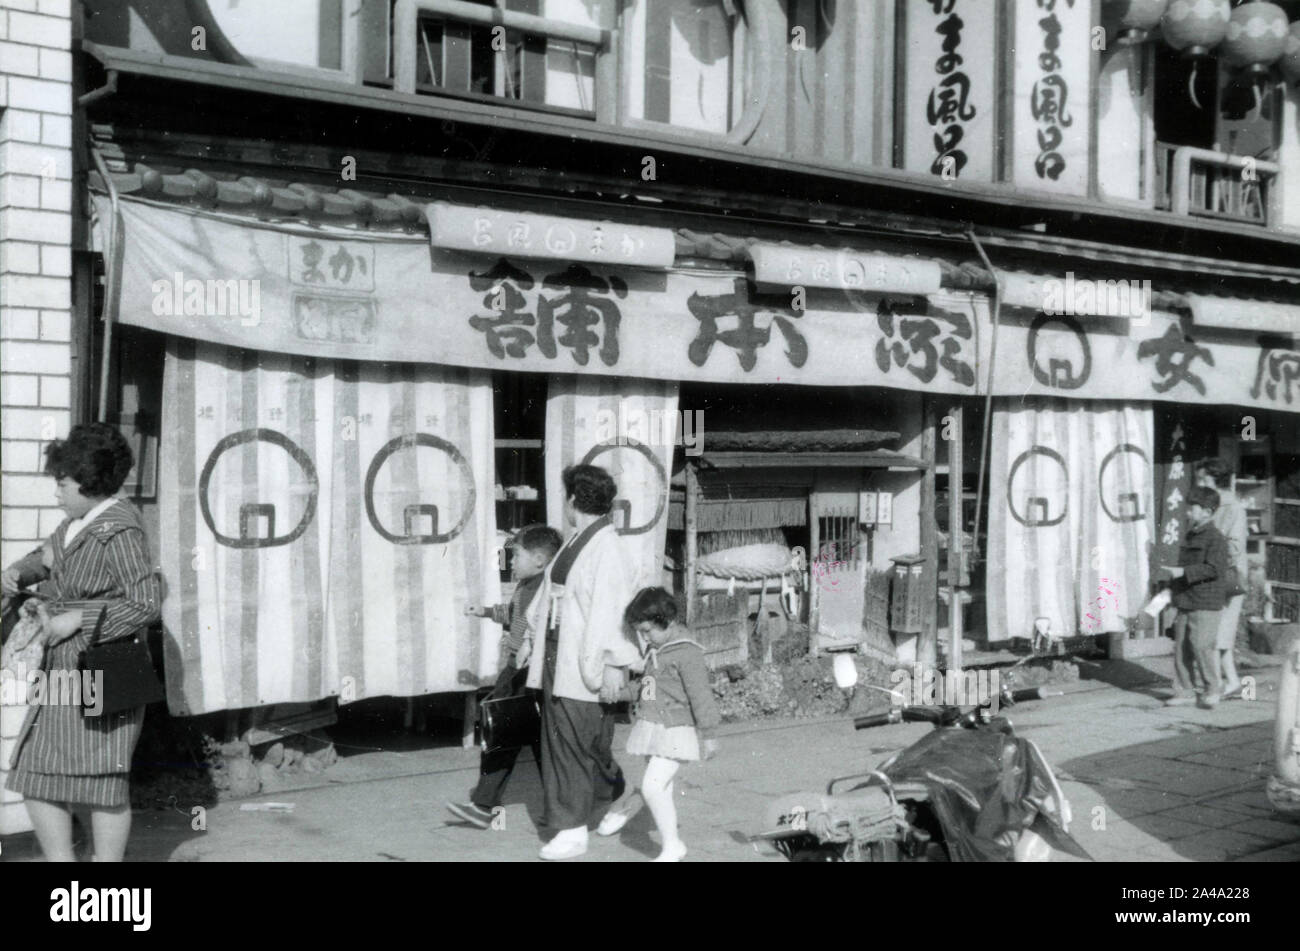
x,y
534,547
675,713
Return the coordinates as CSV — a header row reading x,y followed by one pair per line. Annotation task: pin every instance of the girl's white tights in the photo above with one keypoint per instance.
x,y
657,788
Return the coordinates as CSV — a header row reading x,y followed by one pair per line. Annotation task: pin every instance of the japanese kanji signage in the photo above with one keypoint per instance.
x,y
517,234
844,270
390,299
1053,71
950,88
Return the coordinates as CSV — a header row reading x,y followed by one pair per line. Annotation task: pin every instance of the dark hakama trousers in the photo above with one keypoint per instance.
x,y
579,773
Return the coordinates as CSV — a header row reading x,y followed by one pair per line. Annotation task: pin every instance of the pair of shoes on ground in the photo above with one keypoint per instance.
x,y
568,843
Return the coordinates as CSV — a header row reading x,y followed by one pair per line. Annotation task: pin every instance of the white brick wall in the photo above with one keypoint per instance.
x,y
35,272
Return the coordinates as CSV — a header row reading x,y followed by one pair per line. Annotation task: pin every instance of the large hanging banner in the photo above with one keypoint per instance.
x,y
351,295
1071,517
323,526
628,428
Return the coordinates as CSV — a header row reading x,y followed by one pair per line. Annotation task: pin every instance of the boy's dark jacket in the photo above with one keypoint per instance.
x,y
682,694
1204,584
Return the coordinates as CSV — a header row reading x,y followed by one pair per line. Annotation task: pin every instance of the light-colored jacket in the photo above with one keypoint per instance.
x,y
600,586
1230,519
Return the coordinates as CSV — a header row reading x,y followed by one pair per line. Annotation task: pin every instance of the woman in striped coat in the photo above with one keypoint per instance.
x,y
95,572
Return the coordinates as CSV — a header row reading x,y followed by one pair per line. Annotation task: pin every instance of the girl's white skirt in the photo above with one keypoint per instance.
x,y
671,742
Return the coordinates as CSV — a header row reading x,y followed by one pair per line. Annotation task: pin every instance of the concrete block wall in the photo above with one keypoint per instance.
x,y
35,283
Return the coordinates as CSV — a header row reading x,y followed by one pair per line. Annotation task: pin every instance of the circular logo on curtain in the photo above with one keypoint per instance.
x,y
1067,367
414,513
1129,504
1038,508
661,489
251,513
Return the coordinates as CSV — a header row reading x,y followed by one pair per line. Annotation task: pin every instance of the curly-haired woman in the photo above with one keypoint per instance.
x,y
96,574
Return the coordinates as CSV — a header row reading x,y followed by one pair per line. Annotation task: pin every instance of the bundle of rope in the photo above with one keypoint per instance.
x,y
867,815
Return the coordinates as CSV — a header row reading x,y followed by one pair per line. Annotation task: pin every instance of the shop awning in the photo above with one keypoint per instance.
x,y
291,268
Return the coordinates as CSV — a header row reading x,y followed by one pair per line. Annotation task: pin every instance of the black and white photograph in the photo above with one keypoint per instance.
x,y
682,431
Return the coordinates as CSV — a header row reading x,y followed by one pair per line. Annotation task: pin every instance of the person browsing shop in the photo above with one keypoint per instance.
x,y
1199,585
1230,520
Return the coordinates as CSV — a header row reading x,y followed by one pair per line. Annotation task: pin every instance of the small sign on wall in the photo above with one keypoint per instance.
x,y
867,506
885,509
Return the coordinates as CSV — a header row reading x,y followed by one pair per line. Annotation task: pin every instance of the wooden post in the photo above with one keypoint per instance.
x,y
692,540
956,523
927,646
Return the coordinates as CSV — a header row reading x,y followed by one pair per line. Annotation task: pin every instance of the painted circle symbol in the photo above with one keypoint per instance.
x,y
662,495
410,441
296,453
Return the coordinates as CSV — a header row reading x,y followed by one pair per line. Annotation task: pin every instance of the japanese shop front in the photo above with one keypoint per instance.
x,y
327,422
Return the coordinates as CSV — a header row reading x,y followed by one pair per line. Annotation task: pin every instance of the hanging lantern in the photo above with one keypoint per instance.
x,y
1196,26
1290,61
1131,21
1256,37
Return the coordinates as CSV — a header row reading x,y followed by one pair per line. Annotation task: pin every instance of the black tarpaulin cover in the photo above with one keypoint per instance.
x,y
985,787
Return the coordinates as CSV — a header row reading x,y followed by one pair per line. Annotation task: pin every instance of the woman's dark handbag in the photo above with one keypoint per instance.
x,y
128,679
510,723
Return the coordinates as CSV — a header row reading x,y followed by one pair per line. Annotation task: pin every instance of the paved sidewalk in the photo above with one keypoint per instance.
x,y
1146,783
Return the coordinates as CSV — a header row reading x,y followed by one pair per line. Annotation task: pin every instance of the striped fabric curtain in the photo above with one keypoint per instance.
x,y
1071,519
323,525
629,428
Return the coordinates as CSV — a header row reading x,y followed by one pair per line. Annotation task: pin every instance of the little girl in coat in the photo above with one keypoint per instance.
x,y
674,715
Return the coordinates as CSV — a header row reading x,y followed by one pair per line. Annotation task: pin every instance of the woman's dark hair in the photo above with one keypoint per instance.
x,y
1219,469
96,455
1205,498
591,487
655,605
538,538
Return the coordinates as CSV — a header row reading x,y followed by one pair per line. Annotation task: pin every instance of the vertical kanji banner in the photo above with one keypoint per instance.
x,y
629,428
1071,517
322,528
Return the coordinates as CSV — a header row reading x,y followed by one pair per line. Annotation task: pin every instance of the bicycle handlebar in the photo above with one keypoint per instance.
x,y
945,714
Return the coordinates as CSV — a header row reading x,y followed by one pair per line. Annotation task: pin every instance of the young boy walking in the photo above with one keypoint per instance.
x,y
533,548
1199,589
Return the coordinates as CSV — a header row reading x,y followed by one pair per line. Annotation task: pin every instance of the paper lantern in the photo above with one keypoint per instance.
x,y
1195,26
1290,61
1131,21
1256,36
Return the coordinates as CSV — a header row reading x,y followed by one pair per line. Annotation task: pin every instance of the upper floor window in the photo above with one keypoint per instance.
x,y
463,55
258,31
682,64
